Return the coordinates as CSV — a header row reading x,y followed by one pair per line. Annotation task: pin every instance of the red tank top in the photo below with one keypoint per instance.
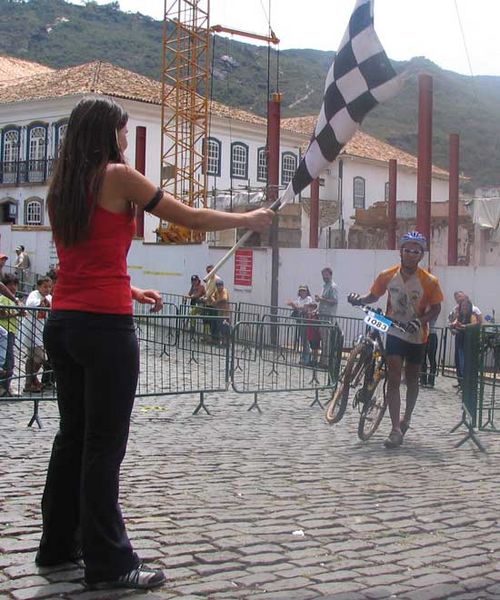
x,y
93,274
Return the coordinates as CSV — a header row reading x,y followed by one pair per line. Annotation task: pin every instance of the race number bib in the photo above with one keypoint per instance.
x,y
377,321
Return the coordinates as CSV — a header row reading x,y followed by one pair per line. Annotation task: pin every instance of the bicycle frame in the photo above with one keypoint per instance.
x,y
372,338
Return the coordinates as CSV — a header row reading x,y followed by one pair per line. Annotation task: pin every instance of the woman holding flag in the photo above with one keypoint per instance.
x,y
91,341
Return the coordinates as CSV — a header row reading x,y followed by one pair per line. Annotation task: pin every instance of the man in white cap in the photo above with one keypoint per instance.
x,y
22,264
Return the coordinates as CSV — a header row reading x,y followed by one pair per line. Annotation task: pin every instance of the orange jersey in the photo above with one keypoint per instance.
x,y
408,299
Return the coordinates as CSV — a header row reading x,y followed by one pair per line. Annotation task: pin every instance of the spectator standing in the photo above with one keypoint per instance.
x,y
196,291
3,288
465,318
22,264
460,297
210,281
313,335
429,364
327,310
298,309
303,299
33,331
219,303
195,296
9,321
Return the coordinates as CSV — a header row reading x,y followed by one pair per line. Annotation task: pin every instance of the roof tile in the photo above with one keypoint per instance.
x,y
11,69
362,145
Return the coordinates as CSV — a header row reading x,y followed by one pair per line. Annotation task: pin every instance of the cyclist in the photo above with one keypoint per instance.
x,y
414,298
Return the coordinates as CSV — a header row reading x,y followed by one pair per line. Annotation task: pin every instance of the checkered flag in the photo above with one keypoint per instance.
x,y
360,77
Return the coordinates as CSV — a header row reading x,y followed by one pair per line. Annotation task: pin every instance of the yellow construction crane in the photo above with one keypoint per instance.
x,y
185,105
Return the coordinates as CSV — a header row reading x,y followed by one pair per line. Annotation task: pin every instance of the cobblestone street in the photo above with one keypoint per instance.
x,y
278,505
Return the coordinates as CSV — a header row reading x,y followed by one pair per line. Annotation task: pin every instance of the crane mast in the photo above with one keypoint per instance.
x,y
184,109
185,104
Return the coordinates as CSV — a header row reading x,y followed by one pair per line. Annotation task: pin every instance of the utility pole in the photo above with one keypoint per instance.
x,y
273,174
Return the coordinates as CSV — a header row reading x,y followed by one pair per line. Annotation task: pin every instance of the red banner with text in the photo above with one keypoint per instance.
x,y
243,267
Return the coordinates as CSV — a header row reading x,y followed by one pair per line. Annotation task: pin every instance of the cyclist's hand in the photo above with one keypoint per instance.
x,y
414,326
354,299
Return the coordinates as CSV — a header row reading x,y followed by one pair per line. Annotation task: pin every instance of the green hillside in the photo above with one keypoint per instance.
x,y
60,34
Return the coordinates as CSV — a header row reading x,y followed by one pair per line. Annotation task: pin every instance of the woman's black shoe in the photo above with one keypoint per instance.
x,y
140,578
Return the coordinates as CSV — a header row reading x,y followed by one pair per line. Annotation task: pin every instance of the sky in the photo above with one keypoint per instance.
x,y
458,35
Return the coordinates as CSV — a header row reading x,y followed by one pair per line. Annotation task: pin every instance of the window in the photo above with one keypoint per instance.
x,y
10,145
33,212
261,164
10,155
213,149
60,132
288,167
37,152
239,160
358,192
386,191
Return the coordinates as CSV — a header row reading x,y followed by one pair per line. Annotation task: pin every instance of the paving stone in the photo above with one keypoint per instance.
x,y
51,590
204,588
385,591
433,579
288,595
337,587
434,592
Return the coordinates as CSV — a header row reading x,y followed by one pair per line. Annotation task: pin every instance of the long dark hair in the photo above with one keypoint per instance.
x,y
90,143
465,311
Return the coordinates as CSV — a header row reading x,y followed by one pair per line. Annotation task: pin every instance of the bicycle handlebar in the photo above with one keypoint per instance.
x,y
394,323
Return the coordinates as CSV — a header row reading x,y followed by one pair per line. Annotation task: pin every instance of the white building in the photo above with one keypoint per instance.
x,y
35,103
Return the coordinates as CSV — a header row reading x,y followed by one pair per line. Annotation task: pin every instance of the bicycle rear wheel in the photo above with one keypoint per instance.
x,y
352,377
373,411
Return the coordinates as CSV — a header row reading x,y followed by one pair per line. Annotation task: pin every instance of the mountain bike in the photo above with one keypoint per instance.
x,y
365,374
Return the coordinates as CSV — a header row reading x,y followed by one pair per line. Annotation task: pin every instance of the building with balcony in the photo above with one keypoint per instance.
x,y
35,103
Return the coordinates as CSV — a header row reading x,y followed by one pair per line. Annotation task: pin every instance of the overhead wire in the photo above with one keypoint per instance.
x,y
464,40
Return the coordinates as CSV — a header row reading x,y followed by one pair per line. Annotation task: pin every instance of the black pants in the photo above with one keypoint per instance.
x,y
96,364
429,364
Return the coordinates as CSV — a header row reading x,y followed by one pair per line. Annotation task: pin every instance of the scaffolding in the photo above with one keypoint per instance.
x,y
184,110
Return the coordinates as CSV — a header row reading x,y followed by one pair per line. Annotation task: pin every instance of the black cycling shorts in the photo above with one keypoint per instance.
x,y
413,353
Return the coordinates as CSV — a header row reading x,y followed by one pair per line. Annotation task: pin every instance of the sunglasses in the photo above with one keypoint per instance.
x,y
411,251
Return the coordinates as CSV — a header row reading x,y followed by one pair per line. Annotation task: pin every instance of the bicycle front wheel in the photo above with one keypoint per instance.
x,y
373,411
352,377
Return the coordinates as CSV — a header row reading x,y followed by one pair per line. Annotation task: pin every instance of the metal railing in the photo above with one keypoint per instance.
x,y
185,353
25,171
488,385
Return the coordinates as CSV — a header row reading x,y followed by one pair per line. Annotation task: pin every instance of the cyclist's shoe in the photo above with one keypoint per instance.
x,y
394,440
404,426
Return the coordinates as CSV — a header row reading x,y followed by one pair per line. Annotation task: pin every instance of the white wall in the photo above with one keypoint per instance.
x,y
170,268
376,175
37,243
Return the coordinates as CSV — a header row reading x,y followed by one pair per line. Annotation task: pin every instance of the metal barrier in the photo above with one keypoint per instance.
x,y
352,328
264,309
25,372
488,394
278,363
479,356
176,357
446,352
180,354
